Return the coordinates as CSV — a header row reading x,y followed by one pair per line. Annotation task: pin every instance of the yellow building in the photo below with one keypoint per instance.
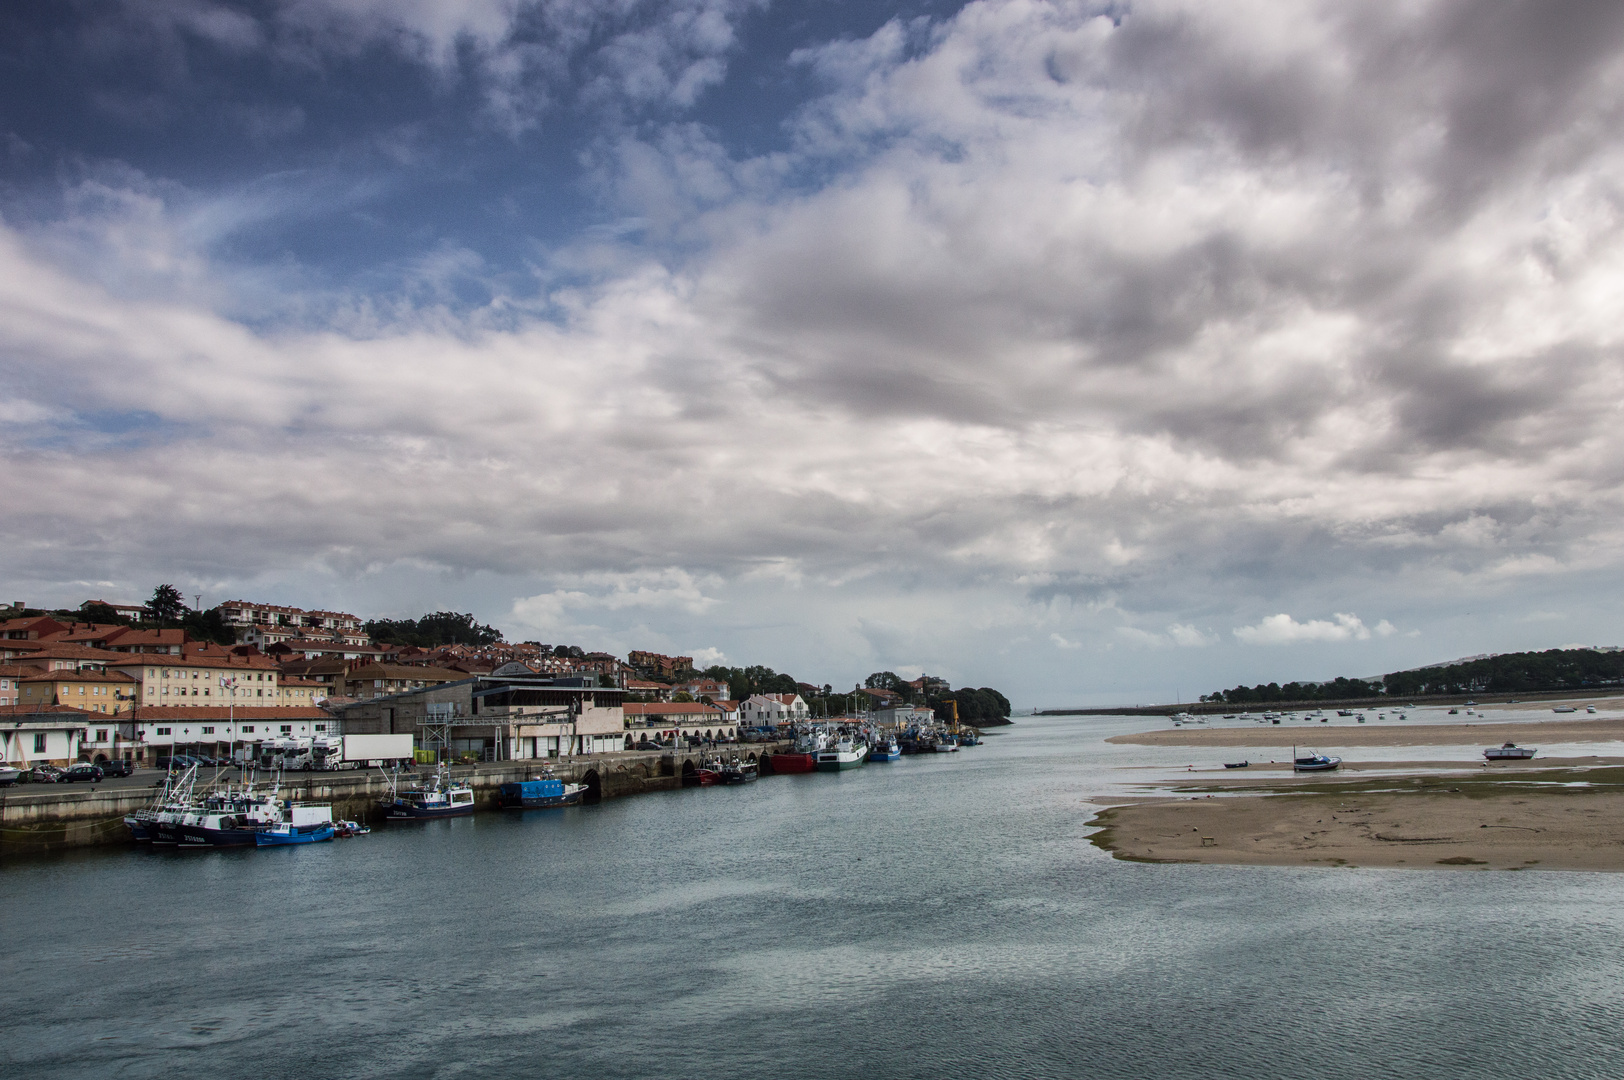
x,y
93,691
199,680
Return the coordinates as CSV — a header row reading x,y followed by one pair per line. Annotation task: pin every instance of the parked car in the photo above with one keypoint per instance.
x,y
84,771
44,774
117,768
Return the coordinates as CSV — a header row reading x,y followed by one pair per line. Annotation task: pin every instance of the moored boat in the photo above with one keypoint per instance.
x,y
306,824
738,771
847,753
1509,752
1564,709
539,793
803,758
888,750
1237,764
1315,763
438,798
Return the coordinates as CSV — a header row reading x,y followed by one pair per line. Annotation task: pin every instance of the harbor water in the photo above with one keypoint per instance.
x,y
938,916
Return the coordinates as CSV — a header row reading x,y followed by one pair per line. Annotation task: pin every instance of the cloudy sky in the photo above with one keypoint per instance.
x,y
1097,352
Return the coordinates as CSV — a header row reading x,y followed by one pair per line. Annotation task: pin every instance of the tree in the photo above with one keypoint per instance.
x,y
102,614
885,680
440,628
167,605
682,697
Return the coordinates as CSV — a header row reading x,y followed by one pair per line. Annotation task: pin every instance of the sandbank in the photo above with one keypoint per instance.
x,y
1552,818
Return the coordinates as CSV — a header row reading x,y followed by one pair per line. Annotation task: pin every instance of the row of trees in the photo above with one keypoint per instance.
x,y
440,628
1526,672
1338,689
1511,673
985,705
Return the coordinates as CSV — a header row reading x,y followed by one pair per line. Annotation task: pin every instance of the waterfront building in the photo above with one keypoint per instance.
x,y
216,730
9,685
513,716
41,734
662,719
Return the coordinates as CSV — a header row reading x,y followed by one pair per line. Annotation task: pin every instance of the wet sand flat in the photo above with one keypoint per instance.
x,y
1500,822
1344,733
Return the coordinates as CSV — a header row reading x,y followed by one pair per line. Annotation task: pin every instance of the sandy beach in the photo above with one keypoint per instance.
x,y
1562,814
1483,823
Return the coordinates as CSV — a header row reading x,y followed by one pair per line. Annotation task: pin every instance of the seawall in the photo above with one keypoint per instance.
x,y
37,819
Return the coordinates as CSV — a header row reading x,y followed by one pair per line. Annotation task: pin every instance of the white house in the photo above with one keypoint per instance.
x,y
767,710
52,734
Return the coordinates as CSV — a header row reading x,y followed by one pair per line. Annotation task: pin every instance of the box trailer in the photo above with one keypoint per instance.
x,y
377,748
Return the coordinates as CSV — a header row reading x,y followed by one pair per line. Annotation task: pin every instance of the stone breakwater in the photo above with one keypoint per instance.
x,y
46,818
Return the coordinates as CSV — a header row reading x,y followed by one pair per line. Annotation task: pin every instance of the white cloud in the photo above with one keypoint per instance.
x,y
1282,629
708,657
1062,643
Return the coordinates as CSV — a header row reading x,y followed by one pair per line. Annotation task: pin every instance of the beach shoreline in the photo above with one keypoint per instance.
x,y
1553,814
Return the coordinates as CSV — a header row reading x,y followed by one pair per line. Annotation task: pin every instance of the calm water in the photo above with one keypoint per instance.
x,y
935,917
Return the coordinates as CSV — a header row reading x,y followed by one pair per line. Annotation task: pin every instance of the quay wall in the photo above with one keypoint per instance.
x,y
45,818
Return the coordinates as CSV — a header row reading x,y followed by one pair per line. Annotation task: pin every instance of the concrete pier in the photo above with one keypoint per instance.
x,y
53,817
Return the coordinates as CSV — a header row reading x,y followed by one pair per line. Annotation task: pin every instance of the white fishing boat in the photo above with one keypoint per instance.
x,y
846,753
1509,752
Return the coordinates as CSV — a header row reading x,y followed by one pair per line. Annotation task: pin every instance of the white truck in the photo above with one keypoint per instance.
x,y
373,750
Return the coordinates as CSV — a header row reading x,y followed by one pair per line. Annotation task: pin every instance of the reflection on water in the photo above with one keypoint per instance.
x,y
940,916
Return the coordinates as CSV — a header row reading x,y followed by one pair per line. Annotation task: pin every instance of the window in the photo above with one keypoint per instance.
x,y
321,727
101,734
248,729
287,729
208,731
163,731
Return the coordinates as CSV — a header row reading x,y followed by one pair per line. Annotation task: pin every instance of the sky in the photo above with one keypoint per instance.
x,y
1096,352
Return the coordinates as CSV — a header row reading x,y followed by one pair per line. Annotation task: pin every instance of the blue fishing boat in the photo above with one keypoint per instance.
x,y
543,791
1314,763
286,832
305,824
885,751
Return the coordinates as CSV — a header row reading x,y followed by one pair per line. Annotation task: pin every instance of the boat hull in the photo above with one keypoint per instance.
x,y
303,834
793,763
884,755
540,802
197,836
834,761
408,812
1518,754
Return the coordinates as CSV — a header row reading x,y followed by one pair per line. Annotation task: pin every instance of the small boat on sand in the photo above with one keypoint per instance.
x,y
1314,763
1237,764
1510,752
1564,709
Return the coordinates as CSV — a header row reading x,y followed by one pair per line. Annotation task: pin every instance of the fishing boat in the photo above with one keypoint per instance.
x,y
708,774
1509,752
738,771
885,751
1344,712
543,791
9,775
344,829
440,797
848,752
306,824
945,745
1314,763
803,757
1590,708
1237,765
